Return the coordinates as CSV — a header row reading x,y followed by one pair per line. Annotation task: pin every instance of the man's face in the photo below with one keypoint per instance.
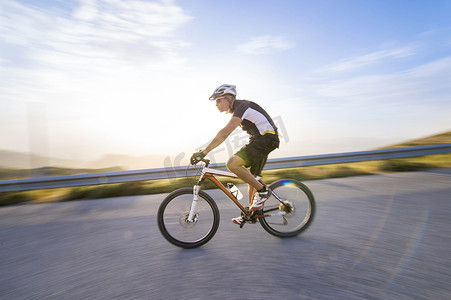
x,y
222,104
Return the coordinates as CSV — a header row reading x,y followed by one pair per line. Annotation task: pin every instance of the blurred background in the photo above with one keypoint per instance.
x,y
89,86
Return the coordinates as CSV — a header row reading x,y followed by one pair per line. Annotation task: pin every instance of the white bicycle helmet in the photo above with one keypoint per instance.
x,y
222,90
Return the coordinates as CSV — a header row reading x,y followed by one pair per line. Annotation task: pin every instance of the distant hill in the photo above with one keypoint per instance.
x,y
20,161
442,138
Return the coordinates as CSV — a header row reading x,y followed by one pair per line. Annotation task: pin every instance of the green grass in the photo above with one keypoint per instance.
x,y
15,198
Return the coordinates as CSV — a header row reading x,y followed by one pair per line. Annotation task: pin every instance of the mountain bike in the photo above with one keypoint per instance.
x,y
189,217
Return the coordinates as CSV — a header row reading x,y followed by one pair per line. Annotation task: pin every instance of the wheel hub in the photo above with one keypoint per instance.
x,y
288,208
183,220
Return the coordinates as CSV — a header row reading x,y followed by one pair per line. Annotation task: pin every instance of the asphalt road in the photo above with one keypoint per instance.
x,y
374,237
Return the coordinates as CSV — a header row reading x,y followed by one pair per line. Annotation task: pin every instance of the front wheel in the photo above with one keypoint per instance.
x,y
173,219
294,215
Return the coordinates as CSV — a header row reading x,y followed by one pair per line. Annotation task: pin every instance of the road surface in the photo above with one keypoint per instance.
x,y
383,236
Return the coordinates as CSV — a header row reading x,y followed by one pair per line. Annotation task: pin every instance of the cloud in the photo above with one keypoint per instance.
x,y
95,32
372,58
421,85
264,44
52,51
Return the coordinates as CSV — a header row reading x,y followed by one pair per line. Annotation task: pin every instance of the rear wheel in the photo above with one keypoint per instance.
x,y
173,219
294,215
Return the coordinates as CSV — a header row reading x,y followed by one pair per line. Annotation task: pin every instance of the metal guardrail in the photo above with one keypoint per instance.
x,y
175,172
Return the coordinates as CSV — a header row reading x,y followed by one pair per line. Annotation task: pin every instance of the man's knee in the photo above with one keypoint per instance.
x,y
234,162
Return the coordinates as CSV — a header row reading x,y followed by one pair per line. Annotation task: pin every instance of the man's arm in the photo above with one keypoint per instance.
x,y
222,135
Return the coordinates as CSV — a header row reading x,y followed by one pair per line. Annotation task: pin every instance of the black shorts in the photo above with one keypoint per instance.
x,y
256,152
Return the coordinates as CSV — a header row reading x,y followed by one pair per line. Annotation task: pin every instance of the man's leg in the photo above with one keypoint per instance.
x,y
251,193
236,165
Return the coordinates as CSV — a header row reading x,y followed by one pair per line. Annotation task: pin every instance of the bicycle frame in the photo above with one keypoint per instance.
x,y
209,173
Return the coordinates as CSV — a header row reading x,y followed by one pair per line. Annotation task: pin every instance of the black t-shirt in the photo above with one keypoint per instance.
x,y
255,120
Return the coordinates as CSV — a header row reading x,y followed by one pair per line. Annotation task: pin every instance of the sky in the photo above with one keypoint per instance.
x,y
81,79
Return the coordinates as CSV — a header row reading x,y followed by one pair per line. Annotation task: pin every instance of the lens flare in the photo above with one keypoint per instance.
x,y
288,182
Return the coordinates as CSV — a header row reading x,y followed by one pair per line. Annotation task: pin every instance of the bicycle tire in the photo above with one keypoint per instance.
x,y
172,215
294,221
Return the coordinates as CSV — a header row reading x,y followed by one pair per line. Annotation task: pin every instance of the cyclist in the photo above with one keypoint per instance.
x,y
263,140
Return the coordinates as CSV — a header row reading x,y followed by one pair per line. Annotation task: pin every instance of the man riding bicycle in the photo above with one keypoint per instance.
x,y
263,140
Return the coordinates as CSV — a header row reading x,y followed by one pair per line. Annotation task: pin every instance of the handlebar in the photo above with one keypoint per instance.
x,y
206,161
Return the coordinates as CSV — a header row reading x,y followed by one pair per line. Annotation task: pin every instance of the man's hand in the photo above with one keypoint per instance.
x,y
197,157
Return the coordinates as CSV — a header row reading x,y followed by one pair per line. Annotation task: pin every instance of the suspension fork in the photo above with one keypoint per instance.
x,y
196,190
